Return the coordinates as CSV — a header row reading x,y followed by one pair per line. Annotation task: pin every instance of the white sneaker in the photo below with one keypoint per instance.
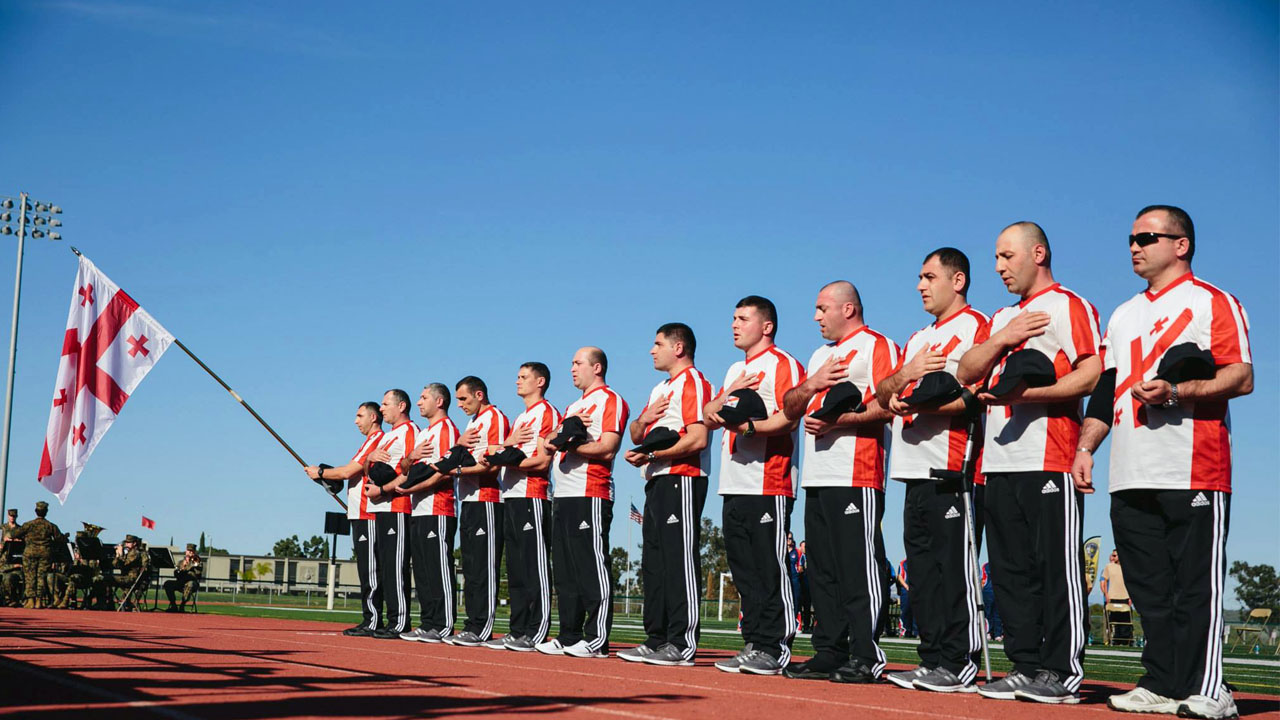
x,y
1203,706
580,649
1142,700
550,647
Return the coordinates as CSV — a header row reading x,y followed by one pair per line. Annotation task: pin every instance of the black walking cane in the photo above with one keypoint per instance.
x,y
965,477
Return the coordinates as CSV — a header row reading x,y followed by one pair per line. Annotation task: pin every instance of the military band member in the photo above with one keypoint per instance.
x,y
186,577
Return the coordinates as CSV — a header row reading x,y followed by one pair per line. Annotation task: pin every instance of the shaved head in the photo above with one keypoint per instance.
x,y
843,291
1029,234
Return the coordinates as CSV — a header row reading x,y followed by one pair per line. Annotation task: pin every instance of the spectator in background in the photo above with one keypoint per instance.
x,y
806,602
904,601
995,628
793,570
1114,591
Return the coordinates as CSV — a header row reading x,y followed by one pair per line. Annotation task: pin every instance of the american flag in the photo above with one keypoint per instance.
x,y
636,515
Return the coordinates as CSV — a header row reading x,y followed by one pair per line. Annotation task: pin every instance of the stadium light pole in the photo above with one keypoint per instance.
x,y
39,215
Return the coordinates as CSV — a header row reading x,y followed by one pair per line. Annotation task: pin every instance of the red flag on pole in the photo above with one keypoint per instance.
x,y
109,346
148,523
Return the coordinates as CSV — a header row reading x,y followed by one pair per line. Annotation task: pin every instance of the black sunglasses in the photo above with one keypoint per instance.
x,y
1147,238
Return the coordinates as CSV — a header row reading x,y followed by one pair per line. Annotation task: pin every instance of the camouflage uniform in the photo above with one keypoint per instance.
x,y
186,576
39,536
133,565
11,584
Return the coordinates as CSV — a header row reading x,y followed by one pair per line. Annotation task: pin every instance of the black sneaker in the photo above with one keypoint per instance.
x,y
357,631
1047,688
854,671
1005,687
385,634
805,671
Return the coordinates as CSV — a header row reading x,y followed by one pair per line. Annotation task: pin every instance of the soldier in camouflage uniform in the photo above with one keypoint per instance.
x,y
39,536
134,566
86,575
10,572
186,576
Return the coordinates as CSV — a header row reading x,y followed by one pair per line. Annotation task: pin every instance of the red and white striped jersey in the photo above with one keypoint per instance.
x,y
397,441
576,476
1041,437
762,465
847,456
1187,447
494,428
688,392
516,483
924,441
437,439
355,485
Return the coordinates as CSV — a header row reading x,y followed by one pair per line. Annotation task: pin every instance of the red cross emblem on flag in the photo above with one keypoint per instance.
x,y
109,346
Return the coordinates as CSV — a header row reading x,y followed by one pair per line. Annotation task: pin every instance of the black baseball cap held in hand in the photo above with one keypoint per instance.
x,y
381,473
572,433
1185,361
933,390
1025,366
417,473
508,456
841,398
458,457
743,405
333,485
659,438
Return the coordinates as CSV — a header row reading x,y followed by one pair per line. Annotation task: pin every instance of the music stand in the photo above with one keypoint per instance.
x,y
335,524
161,559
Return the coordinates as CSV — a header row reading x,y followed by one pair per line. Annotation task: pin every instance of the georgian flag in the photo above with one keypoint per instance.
x,y
109,346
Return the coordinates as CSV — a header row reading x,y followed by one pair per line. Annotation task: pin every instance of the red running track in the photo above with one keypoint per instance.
x,y
107,665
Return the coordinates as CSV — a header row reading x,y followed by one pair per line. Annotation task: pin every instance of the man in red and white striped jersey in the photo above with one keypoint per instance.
x,y
1033,510
757,480
391,514
433,522
843,478
526,493
674,494
583,477
1170,478
481,503
369,423
944,595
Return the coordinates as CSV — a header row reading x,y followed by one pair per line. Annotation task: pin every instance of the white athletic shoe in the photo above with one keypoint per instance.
x,y
1203,706
1142,700
550,647
580,649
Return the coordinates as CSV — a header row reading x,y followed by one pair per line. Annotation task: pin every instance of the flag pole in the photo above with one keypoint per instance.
x,y
244,404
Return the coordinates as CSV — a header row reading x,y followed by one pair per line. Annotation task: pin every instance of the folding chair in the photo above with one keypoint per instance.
x,y
1116,616
1254,626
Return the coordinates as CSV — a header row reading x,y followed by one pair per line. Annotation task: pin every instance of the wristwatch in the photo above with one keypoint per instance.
x,y
651,457
1172,402
320,474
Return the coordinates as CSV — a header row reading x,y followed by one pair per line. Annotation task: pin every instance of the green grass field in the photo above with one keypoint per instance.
x,y
1248,672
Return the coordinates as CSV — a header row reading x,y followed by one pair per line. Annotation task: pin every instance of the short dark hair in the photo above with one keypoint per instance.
x,y
596,355
474,384
1038,237
374,408
953,260
681,333
401,396
441,391
764,306
541,370
1179,218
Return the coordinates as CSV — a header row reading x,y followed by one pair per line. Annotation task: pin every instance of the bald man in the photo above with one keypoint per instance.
x,y
843,478
1033,509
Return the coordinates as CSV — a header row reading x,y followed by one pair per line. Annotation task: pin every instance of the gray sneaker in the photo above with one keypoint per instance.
x,y
1005,687
466,638
906,678
668,655
433,636
760,662
416,635
943,680
1047,688
521,644
734,663
496,643
637,653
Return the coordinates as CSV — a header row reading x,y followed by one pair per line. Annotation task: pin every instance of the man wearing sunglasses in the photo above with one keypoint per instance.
x,y
1033,511
1170,477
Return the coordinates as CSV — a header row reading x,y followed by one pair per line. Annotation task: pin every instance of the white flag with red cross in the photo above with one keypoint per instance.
x,y
109,346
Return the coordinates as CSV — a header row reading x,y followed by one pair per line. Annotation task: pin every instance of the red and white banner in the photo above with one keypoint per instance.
x,y
109,346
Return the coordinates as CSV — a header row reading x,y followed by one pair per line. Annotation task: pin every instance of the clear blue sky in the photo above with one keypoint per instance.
x,y
329,199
